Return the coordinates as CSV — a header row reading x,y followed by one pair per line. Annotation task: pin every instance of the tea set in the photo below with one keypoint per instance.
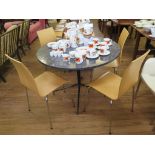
x,y
80,35
93,50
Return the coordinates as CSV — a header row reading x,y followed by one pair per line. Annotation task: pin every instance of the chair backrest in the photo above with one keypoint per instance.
x,y
131,74
9,43
24,32
11,28
25,76
122,39
46,35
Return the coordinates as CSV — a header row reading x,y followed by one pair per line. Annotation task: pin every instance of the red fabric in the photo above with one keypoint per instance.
x,y
9,24
33,28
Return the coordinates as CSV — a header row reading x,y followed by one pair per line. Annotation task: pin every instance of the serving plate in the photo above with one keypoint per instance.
x,y
107,52
50,44
92,57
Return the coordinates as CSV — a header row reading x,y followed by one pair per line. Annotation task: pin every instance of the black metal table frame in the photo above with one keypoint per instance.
x,y
78,84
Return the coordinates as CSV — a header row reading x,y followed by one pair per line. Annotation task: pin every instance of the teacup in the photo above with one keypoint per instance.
x,y
102,49
137,22
83,53
92,52
52,53
90,45
153,31
107,40
62,47
59,53
65,57
80,39
147,28
55,53
88,29
95,40
55,47
72,54
78,58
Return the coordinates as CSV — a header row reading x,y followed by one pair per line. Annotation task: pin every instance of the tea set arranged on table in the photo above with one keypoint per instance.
x,y
92,50
147,25
79,43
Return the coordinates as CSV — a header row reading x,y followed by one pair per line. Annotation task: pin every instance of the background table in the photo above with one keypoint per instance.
x,y
141,33
120,23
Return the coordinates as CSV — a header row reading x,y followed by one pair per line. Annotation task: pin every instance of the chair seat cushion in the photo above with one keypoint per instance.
x,y
107,84
48,82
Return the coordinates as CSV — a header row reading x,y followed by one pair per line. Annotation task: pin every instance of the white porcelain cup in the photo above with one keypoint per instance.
x,y
78,58
72,54
103,49
55,53
92,52
139,24
55,47
66,57
95,40
153,31
88,29
84,53
59,53
52,53
107,40
62,46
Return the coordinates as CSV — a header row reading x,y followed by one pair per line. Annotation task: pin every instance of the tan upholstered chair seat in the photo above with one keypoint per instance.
x,y
48,82
108,84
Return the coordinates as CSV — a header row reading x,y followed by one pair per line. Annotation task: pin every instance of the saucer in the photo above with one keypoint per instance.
x,y
82,48
107,52
93,57
110,44
86,34
151,36
49,45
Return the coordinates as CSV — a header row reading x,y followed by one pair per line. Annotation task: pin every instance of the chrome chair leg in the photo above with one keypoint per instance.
x,y
73,102
115,70
133,99
28,103
48,111
63,88
88,91
138,86
110,121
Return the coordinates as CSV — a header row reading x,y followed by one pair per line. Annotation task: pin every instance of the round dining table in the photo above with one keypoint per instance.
x,y
43,55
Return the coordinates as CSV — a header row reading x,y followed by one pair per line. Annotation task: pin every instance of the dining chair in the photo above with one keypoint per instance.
x,y
47,35
42,85
148,75
23,35
113,86
116,63
121,41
